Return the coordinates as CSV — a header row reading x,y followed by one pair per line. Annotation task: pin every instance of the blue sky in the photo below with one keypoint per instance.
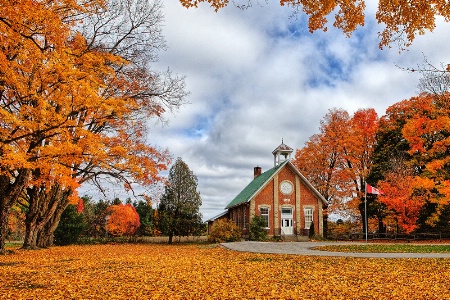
x,y
256,76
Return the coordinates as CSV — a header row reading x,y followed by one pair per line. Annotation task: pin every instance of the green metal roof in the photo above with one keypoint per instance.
x,y
246,194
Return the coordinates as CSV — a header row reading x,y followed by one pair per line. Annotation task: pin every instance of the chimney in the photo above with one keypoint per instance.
x,y
256,172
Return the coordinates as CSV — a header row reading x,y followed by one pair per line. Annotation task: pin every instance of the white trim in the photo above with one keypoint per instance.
x,y
265,206
306,216
290,184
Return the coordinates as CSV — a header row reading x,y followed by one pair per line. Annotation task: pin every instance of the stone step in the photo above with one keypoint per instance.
x,y
294,238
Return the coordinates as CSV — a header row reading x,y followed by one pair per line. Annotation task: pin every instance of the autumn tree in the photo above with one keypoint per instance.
x,y
179,206
122,220
338,159
391,159
76,94
403,20
428,134
403,197
131,30
321,160
34,104
411,161
16,223
358,152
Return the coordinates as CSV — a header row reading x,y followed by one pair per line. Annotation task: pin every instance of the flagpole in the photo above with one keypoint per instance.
x,y
365,207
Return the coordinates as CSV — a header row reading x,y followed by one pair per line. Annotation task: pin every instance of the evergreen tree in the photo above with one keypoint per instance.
x,y
70,227
258,230
146,215
95,214
179,206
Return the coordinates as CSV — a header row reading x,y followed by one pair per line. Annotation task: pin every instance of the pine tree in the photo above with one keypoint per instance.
x,y
180,203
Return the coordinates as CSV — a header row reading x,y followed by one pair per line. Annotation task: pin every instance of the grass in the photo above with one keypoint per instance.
x,y
387,248
13,244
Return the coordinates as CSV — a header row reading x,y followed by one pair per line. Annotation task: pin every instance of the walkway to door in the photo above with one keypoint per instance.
x,y
304,248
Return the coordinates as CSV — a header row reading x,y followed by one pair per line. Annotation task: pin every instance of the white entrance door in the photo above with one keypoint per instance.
x,y
286,221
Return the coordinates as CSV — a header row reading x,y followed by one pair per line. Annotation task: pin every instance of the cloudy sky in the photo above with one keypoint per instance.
x,y
258,76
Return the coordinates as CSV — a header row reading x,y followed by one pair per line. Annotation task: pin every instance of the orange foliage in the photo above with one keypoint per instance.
x,y
206,272
66,105
427,132
321,160
423,177
403,20
399,197
80,205
338,159
123,220
361,142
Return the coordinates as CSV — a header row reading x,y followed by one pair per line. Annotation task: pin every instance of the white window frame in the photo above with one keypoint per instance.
x,y
265,214
309,216
287,207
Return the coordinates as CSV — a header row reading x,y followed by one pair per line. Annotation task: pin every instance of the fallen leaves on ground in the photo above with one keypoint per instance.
x,y
151,271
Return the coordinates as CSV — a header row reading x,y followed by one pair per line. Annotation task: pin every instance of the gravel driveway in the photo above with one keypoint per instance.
x,y
304,248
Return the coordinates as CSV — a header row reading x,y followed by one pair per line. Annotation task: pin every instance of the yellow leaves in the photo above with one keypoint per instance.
x,y
204,272
63,101
405,19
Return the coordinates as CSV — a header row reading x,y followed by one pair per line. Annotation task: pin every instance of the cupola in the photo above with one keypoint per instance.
x,y
281,153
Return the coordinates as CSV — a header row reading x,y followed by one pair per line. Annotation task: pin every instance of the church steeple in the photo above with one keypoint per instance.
x,y
281,150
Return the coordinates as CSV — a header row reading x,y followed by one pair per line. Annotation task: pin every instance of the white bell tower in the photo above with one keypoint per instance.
x,y
281,151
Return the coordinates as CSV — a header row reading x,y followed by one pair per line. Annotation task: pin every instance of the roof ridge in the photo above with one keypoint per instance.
x,y
246,194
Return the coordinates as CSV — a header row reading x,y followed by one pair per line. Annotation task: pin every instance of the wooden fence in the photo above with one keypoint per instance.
x,y
390,236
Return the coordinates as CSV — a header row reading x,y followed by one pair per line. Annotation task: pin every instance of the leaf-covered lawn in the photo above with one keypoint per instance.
x,y
205,272
387,248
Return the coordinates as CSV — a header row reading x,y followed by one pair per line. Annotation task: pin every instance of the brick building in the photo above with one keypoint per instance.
x,y
282,196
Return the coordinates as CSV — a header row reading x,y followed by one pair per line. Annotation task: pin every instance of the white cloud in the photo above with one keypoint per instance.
x,y
256,76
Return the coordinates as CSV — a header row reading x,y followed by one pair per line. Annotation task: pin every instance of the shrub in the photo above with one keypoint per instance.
x,y
224,230
258,229
123,220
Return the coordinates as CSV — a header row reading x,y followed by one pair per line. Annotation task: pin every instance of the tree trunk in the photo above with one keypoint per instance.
x,y
381,227
10,192
31,233
170,237
45,236
43,205
4,214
